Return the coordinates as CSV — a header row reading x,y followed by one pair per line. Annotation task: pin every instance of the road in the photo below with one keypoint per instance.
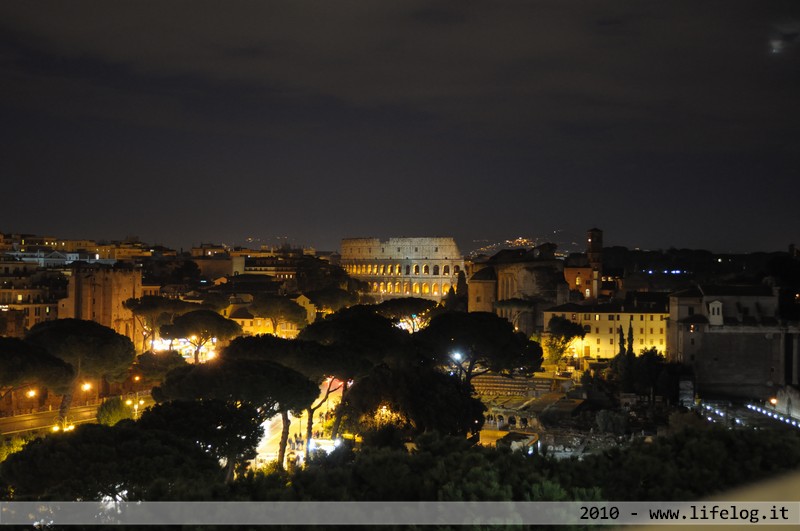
x,y
45,420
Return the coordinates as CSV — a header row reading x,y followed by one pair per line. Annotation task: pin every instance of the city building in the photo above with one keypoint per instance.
x,y
734,340
518,284
642,315
97,293
404,267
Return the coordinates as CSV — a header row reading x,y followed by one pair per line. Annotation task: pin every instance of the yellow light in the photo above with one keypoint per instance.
x,y
211,355
31,393
86,386
55,428
137,378
773,401
129,402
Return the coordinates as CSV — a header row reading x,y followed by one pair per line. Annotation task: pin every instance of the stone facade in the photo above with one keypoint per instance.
x,y
97,293
734,340
404,267
518,285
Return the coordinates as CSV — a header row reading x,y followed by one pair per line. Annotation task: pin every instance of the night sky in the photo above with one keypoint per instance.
x,y
665,123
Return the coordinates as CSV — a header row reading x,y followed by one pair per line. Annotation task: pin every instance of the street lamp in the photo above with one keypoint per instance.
x,y
135,406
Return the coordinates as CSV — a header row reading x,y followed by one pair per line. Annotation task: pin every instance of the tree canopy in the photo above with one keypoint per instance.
x,y
478,342
199,327
417,399
153,367
122,463
413,312
24,364
93,350
266,385
226,431
560,333
153,311
279,310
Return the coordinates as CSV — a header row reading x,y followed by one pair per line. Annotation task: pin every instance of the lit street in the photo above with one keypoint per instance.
x,y
45,419
268,448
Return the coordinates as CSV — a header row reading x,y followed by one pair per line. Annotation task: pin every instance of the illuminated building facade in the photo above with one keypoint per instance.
x,y
404,267
642,315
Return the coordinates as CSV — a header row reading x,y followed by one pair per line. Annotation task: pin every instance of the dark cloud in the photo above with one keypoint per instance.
x,y
410,117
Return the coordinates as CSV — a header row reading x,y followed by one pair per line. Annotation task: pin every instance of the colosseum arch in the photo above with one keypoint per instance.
x,y
436,270
426,269
415,288
425,288
446,270
416,269
436,289
397,287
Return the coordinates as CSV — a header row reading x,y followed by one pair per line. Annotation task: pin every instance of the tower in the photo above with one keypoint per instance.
x,y
594,252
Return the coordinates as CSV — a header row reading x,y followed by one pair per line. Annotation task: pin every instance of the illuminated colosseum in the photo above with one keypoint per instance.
x,y
404,267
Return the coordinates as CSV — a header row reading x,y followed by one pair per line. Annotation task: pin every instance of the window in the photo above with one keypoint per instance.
x,y
610,317
660,330
641,317
651,317
641,330
651,330
597,331
436,270
435,249
610,330
446,270
597,317
426,270
611,341
641,341
408,270
598,340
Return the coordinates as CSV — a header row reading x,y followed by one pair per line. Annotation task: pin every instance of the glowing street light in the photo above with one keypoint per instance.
x,y
135,405
86,386
31,393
